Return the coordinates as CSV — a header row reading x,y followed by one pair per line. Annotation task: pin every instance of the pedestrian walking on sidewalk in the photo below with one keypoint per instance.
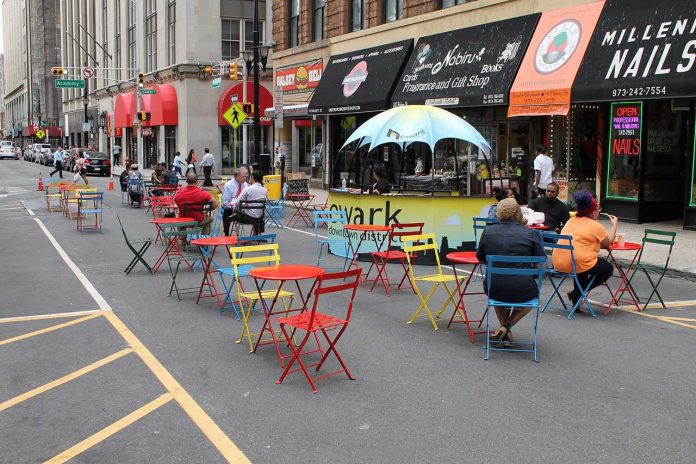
x,y
58,162
177,163
191,162
207,164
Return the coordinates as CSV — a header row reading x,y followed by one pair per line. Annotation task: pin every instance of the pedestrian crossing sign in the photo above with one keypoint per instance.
x,y
235,115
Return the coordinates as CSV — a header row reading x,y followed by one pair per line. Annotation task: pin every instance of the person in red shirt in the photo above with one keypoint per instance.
x,y
191,200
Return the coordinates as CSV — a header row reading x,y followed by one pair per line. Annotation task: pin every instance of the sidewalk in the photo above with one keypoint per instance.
x,y
682,263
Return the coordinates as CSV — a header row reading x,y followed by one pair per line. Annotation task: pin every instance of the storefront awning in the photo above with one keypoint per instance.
x,y
645,50
124,110
236,94
544,81
163,107
290,110
360,81
467,67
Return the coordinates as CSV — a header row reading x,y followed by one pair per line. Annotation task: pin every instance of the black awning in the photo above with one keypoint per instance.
x,y
640,49
360,81
468,67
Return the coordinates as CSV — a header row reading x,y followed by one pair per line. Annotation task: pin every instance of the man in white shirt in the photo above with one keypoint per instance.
x,y
58,162
232,189
255,191
543,170
207,164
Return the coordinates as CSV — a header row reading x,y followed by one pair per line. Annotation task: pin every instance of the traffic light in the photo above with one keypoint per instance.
x,y
207,71
58,71
141,80
143,115
233,71
248,108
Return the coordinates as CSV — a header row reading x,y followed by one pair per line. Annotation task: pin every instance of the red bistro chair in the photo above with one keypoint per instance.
x,y
313,321
380,259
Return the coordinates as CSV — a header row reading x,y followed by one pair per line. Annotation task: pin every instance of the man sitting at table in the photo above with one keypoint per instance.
x,y
191,201
255,191
555,211
230,192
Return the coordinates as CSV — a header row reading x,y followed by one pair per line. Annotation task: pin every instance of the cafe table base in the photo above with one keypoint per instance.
x,y
301,202
377,234
208,246
624,286
464,258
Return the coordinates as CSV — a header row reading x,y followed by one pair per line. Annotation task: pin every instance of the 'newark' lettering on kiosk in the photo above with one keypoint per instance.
x,y
356,215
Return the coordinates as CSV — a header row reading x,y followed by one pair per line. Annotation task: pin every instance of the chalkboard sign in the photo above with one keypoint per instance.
x,y
300,186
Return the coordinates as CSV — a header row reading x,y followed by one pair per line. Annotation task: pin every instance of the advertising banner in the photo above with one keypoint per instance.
x,y
645,50
360,81
545,78
468,67
299,78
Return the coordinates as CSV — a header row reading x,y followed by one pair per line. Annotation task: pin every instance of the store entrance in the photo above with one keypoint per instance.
x,y
309,146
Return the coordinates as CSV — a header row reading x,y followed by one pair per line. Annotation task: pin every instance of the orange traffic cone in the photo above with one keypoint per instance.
x,y
111,183
40,188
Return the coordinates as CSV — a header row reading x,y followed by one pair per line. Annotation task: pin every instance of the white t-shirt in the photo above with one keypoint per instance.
x,y
543,164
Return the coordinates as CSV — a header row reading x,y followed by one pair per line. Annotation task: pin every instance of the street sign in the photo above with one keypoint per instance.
x,y
40,134
234,98
147,91
70,84
235,115
216,82
87,72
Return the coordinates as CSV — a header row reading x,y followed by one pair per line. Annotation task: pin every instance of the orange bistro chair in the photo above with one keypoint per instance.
x,y
380,259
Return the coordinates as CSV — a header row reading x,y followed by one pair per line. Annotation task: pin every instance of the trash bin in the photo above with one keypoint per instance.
x,y
272,184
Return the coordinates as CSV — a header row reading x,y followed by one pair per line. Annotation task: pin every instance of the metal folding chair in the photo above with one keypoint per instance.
x,y
479,225
257,225
274,210
314,321
426,243
90,203
553,241
139,253
655,239
54,194
185,254
136,186
497,266
333,218
380,259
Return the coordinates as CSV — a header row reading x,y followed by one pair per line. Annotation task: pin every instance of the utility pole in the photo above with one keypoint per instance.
x,y
257,97
85,103
245,132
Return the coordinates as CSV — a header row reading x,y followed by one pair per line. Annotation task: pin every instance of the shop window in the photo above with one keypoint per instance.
x,y
171,32
169,144
586,128
357,15
393,10
692,197
318,20
237,36
150,36
132,48
294,30
663,142
624,150
449,3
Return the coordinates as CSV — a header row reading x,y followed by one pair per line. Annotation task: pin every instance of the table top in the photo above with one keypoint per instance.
x,y
215,241
367,227
627,246
287,272
174,220
463,257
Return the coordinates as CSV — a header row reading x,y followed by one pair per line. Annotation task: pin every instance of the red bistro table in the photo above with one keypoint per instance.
x,y
301,202
212,244
465,257
623,274
172,247
282,273
538,227
374,231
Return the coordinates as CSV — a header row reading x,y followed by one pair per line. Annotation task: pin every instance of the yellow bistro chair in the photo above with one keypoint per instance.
x,y
54,195
244,259
414,244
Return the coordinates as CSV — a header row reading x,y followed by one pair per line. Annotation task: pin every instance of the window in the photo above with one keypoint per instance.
x,y
171,33
357,15
150,35
117,37
393,10
294,38
237,36
132,57
318,20
449,3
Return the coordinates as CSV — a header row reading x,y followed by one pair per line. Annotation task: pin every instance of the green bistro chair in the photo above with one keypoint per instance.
x,y
654,239
139,253
185,253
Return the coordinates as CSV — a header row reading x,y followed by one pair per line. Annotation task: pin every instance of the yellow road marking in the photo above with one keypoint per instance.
x,y
669,304
667,319
40,317
688,319
48,329
110,430
65,379
209,428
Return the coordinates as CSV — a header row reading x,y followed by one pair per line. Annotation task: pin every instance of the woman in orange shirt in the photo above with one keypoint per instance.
x,y
588,237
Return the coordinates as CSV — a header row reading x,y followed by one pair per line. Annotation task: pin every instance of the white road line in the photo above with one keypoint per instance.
x,y
31,213
41,317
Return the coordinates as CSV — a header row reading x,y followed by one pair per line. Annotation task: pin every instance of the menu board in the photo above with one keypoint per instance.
x,y
625,134
298,186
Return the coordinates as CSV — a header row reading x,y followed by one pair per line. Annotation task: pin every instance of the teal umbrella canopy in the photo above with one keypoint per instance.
x,y
416,123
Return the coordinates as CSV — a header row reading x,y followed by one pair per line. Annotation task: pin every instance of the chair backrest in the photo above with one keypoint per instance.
x,y
406,229
122,229
495,265
480,224
554,241
180,229
187,208
422,242
271,238
337,282
266,254
658,238
247,205
328,216
97,198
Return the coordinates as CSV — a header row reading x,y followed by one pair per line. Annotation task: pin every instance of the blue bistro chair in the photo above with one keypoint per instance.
x,y
480,224
553,241
495,266
274,209
328,217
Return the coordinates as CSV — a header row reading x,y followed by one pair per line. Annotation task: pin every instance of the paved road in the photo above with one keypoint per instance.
x,y
137,376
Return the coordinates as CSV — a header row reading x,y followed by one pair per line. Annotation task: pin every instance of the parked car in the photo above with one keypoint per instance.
x,y
29,153
43,153
97,163
7,152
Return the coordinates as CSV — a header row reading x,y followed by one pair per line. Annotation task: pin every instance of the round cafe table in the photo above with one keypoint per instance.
x,y
623,274
377,234
208,246
465,258
282,273
172,245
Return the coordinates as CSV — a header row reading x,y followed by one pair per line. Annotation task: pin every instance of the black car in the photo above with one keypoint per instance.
x,y
97,163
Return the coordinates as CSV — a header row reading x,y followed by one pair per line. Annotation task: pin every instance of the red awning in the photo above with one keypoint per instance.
x,y
266,101
124,110
51,131
162,105
306,122
166,112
